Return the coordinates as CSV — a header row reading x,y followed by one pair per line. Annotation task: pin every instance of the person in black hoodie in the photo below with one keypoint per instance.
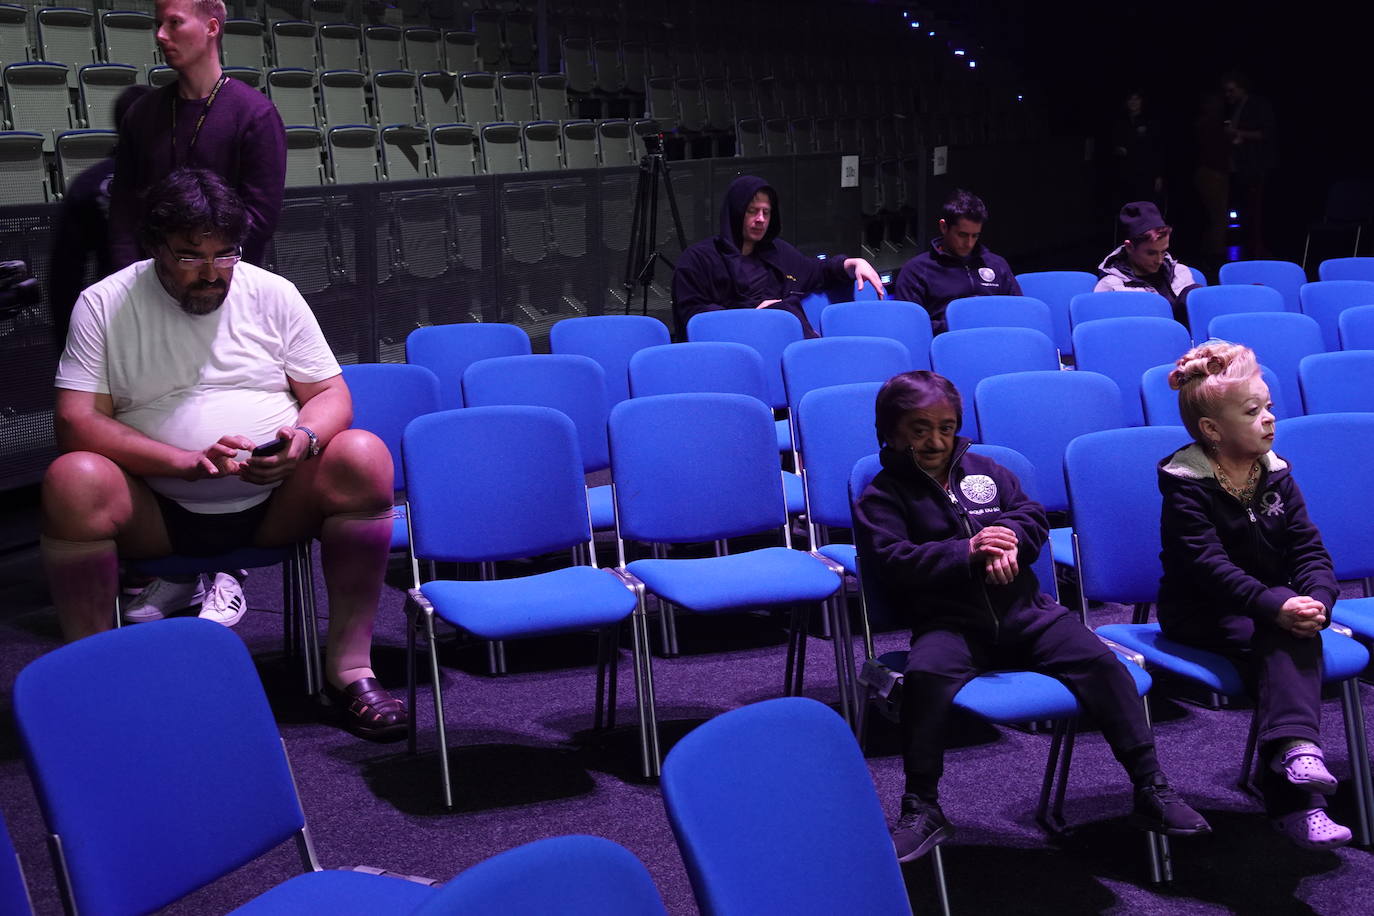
x,y
953,538
1245,574
747,266
957,264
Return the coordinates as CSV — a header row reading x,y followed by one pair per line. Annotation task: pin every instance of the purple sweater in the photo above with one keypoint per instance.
x,y
242,139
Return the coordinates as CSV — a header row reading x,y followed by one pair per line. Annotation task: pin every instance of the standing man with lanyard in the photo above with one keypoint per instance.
x,y
203,120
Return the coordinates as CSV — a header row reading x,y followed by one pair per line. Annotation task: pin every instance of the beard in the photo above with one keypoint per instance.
x,y
203,298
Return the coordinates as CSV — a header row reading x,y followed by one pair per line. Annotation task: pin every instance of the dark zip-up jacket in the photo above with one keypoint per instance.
x,y
935,278
1223,558
918,536
707,277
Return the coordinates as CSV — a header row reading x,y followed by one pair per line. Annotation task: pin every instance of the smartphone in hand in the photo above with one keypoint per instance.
x,y
269,448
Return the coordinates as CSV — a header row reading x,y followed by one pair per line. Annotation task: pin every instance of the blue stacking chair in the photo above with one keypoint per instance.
x,y
14,892
568,875
1280,341
1056,288
813,305
488,484
1284,276
903,321
1327,300
448,349
116,780
1206,304
1341,382
610,340
1123,348
768,331
387,396
1160,402
868,294
1113,477
1118,303
774,810
1198,276
699,469
968,357
1357,328
573,384
1013,697
999,312
825,361
1346,269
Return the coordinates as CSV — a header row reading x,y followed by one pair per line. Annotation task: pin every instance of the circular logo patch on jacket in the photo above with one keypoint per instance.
x,y
987,273
978,488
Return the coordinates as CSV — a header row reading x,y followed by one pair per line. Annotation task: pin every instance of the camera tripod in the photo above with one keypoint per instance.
x,y
643,254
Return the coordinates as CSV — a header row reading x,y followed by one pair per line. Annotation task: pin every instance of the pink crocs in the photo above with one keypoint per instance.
x,y
1312,829
1303,765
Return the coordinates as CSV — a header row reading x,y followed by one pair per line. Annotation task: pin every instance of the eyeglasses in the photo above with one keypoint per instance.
x,y
222,262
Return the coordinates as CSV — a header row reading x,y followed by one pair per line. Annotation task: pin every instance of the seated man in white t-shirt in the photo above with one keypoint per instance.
x,y
174,369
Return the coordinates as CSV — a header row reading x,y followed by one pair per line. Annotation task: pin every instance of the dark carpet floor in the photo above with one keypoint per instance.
x,y
527,765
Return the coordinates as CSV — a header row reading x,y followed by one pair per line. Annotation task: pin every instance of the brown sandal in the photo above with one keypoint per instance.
x,y
366,709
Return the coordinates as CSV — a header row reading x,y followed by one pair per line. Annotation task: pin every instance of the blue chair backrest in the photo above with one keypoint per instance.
x,y
1357,328
1161,402
1056,288
1327,453
1113,487
573,875
448,349
494,483
1280,341
564,381
881,613
14,893
1198,276
903,321
1284,276
1123,348
610,340
782,782
813,306
999,312
1020,465
868,294
695,467
968,357
825,361
1118,303
834,430
1341,382
1040,413
704,366
116,780
387,396
768,331
1327,300
1206,304
1346,269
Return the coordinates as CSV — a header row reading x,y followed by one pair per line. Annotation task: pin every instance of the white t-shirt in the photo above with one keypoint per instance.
x,y
186,380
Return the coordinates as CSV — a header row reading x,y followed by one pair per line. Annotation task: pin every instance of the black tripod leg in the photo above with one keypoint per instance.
x,y
634,253
672,206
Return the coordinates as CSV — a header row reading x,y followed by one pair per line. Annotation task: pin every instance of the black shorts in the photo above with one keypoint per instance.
x,y
205,534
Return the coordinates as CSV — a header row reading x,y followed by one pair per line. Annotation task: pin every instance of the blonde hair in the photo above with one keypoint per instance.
x,y
1204,375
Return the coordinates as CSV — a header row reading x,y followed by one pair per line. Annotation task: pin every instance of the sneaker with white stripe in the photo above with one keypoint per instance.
x,y
224,602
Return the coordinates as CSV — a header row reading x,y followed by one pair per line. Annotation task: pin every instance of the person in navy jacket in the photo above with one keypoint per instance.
x,y
747,266
952,538
1245,574
957,264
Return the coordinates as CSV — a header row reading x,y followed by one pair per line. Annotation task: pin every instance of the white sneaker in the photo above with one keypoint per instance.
x,y
161,597
224,602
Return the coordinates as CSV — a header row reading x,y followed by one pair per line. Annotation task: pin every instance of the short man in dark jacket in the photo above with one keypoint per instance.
x,y
953,538
956,264
747,266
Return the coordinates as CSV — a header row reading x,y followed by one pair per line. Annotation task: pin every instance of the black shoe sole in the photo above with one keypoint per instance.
x,y
943,835
1144,823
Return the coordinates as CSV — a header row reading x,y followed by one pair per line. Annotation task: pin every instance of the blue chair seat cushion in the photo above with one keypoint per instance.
x,y
601,508
847,555
561,601
793,493
784,433
1061,546
1011,697
400,534
1342,657
766,577
340,893
1356,613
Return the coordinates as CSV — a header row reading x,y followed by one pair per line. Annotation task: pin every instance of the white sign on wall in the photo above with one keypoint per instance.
x,y
940,161
849,171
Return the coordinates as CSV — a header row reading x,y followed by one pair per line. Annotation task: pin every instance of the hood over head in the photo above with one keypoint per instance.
x,y
737,197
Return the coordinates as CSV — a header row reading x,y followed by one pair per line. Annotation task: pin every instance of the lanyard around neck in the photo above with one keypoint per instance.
x,y
200,122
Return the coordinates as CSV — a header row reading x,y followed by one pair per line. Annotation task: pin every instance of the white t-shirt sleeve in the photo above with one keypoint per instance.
x,y
308,357
83,363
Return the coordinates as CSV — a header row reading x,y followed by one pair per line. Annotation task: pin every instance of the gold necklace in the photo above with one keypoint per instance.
x,y
1244,493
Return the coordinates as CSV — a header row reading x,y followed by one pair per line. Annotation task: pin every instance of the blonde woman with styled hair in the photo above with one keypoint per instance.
x,y
1245,574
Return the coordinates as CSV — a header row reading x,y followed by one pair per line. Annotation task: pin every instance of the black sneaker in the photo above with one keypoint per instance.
x,y
920,829
1160,809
